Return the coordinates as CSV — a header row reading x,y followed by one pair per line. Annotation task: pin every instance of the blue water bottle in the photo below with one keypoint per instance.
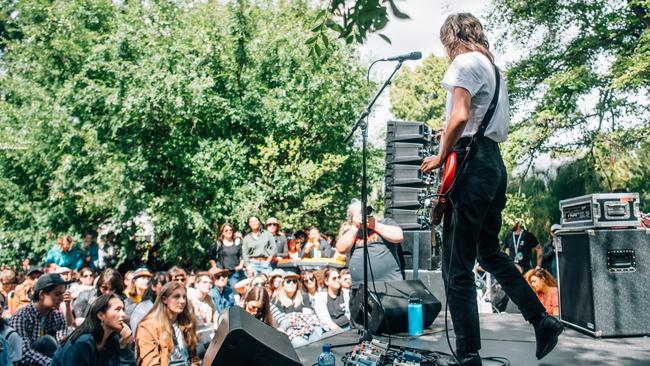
x,y
326,358
415,316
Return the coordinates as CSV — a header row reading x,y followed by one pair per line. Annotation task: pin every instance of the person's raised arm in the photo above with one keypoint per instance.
x,y
390,233
346,241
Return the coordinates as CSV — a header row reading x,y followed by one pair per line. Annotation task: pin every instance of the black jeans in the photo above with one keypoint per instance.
x,y
472,227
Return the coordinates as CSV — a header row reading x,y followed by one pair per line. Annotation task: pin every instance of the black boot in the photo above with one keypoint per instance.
x,y
546,333
468,359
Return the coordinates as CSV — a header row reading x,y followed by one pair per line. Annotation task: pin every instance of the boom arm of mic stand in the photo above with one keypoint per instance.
x,y
366,111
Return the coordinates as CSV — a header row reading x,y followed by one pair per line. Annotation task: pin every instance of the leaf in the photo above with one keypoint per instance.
x,y
385,38
396,12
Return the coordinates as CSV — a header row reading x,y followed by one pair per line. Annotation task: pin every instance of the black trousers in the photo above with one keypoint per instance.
x,y
471,226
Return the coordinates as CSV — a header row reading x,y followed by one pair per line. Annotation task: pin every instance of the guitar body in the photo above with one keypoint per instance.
x,y
448,176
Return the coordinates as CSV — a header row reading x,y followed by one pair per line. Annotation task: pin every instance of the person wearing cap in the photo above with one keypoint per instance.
x,y
8,279
64,254
222,295
275,279
548,256
292,311
281,244
137,312
257,248
21,293
141,277
40,325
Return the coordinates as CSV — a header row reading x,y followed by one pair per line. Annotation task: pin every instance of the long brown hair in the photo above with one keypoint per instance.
x,y
259,293
463,32
186,319
223,227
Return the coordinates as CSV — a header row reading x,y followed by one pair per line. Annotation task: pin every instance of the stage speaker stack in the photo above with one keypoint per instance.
x,y
603,260
407,144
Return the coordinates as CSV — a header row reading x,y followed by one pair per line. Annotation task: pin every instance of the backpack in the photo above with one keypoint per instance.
x,y
4,350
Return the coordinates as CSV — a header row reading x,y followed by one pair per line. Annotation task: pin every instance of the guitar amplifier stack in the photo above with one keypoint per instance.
x,y
603,259
407,188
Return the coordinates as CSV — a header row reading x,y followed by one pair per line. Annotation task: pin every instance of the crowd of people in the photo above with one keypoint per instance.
x,y
77,308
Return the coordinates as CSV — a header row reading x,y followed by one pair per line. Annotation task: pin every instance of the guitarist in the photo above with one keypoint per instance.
x,y
477,116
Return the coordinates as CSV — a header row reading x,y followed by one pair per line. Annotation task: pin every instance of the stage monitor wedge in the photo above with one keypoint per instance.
x,y
243,340
388,306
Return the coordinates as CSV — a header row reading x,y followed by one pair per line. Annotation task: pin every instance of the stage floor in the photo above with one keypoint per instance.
x,y
510,336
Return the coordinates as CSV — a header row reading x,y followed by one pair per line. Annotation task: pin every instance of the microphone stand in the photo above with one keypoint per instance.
x,y
362,123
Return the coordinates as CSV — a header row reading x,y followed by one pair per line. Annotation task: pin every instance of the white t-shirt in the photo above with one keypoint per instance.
x,y
474,71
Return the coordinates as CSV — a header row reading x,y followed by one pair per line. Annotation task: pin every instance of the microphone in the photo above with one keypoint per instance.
x,y
409,56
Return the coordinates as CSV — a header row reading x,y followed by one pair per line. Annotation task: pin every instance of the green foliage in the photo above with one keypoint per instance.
x,y
351,21
193,113
583,76
417,95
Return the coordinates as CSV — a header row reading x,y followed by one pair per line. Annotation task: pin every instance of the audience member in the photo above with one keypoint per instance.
x,y
311,286
66,306
22,292
8,279
346,279
140,280
64,254
257,302
384,236
545,287
275,279
177,274
138,311
101,340
519,244
109,282
548,257
86,282
222,295
281,243
332,306
204,307
228,254
90,250
167,335
294,314
14,342
128,283
258,248
316,246
40,325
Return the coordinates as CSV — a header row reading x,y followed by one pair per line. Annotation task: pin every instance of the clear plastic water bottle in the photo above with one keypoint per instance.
x,y
415,316
326,358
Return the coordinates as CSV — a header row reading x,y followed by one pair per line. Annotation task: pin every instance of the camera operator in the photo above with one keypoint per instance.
x,y
383,238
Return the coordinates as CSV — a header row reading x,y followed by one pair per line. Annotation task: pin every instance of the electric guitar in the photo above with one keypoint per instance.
x,y
447,178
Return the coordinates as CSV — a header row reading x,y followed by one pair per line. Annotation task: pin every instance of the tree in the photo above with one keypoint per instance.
x,y
580,77
193,113
417,95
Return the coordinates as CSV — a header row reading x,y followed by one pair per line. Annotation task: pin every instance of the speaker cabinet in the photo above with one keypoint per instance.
x,y
405,175
408,131
243,340
417,248
603,278
406,219
403,197
388,306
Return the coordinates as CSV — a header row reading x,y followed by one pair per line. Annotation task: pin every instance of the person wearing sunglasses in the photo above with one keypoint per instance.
x,y
227,254
109,282
310,284
332,305
257,303
222,295
293,309
86,280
